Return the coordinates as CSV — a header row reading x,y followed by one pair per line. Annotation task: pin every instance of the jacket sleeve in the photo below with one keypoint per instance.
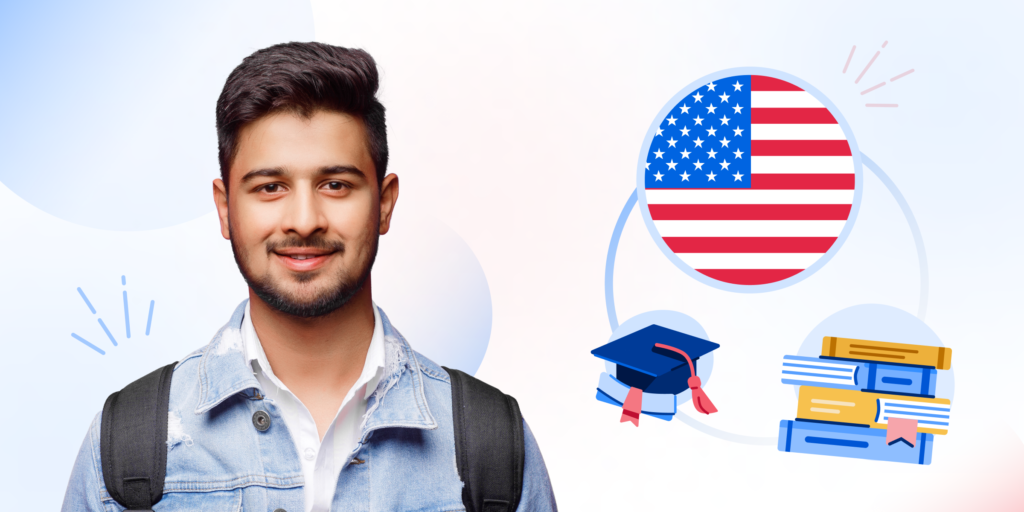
x,y
537,494
83,494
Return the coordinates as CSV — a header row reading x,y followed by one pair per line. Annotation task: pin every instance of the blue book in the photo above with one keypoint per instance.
x,y
612,391
859,375
854,441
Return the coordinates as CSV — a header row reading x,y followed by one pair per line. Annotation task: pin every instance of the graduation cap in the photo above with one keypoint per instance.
x,y
657,360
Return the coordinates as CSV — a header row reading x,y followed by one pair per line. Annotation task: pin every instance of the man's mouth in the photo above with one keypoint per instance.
x,y
303,260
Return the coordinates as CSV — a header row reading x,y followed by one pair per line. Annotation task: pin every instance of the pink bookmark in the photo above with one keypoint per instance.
x,y
901,429
631,407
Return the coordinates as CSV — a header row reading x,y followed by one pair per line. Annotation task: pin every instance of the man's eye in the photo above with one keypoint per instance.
x,y
270,187
335,185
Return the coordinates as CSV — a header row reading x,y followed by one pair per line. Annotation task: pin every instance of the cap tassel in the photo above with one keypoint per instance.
x,y
699,397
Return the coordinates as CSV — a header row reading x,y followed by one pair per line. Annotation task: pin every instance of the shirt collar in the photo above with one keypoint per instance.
x,y
256,358
225,371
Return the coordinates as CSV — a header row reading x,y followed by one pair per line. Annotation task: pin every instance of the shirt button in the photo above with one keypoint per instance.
x,y
280,510
261,420
309,454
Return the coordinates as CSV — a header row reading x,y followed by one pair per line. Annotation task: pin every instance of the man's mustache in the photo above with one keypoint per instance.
x,y
313,242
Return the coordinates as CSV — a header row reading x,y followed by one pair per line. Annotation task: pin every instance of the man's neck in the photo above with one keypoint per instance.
x,y
319,359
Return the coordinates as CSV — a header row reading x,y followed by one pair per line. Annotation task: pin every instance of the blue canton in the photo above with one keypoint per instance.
x,y
704,142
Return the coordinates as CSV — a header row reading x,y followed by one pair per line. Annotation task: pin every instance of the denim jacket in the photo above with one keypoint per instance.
x,y
218,461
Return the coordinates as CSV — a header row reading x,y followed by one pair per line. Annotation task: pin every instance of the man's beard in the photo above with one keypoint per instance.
x,y
326,300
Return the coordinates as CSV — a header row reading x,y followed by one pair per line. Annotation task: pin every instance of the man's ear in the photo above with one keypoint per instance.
x,y
388,198
220,198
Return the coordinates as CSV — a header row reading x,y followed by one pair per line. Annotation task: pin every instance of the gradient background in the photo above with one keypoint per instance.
x,y
516,131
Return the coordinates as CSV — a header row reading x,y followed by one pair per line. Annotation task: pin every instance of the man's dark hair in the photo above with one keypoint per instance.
x,y
302,78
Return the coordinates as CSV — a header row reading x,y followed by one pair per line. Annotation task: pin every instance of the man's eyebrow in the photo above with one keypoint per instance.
x,y
266,173
341,169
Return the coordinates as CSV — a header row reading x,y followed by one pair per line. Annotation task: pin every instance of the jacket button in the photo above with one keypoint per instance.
x,y
261,420
280,510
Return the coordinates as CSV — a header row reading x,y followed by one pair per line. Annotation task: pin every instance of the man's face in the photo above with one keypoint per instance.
x,y
304,210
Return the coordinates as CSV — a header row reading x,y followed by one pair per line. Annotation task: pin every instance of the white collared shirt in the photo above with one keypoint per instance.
x,y
322,462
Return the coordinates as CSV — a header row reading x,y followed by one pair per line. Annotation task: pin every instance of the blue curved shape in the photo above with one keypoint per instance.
x,y
609,266
922,258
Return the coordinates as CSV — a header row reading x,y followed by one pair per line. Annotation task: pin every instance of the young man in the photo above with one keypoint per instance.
x,y
308,399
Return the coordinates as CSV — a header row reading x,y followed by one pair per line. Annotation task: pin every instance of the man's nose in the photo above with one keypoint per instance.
x,y
305,215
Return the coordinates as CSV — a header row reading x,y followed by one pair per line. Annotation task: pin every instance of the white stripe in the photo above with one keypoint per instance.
x,y
747,196
783,99
809,378
829,373
796,132
849,368
738,260
749,227
801,165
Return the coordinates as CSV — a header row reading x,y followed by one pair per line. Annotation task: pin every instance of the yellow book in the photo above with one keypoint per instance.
x,y
886,352
873,409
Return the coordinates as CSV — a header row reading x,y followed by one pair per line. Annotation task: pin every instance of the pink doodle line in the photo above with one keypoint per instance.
x,y
848,59
869,89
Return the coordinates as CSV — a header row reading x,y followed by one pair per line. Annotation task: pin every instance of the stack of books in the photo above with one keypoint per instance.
x,y
860,397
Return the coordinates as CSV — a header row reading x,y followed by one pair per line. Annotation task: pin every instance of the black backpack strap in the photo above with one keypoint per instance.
x,y
133,440
489,446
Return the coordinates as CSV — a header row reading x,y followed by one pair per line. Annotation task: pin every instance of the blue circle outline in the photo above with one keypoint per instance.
x,y
741,288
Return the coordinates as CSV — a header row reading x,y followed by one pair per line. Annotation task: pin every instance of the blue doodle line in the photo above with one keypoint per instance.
x,y
149,321
86,299
90,345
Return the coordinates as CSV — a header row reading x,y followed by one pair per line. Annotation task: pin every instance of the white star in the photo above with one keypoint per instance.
x,y
658,175
685,176
738,176
724,120
697,97
711,109
684,109
697,120
725,165
712,153
648,166
671,120
697,142
725,98
698,165
672,165
686,154
671,143
737,85
711,131
725,142
685,131
658,153
739,154
711,86
737,108
711,176
738,132
658,132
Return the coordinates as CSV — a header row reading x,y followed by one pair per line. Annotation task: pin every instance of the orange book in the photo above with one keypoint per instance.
x,y
886,352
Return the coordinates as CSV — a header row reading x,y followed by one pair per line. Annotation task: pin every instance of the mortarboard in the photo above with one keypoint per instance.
x,y
656,361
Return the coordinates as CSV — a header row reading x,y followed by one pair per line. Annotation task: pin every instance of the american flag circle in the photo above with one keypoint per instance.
x,y
750,180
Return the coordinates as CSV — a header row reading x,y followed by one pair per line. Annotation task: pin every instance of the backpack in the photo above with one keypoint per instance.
x,y
489,443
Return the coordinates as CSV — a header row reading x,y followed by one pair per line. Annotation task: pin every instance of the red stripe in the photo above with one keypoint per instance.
x,y
791,116
749,211
802,181
749,276
799,148
750,244
767,83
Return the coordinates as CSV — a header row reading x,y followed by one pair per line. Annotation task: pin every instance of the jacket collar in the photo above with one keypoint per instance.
x,y
223,372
